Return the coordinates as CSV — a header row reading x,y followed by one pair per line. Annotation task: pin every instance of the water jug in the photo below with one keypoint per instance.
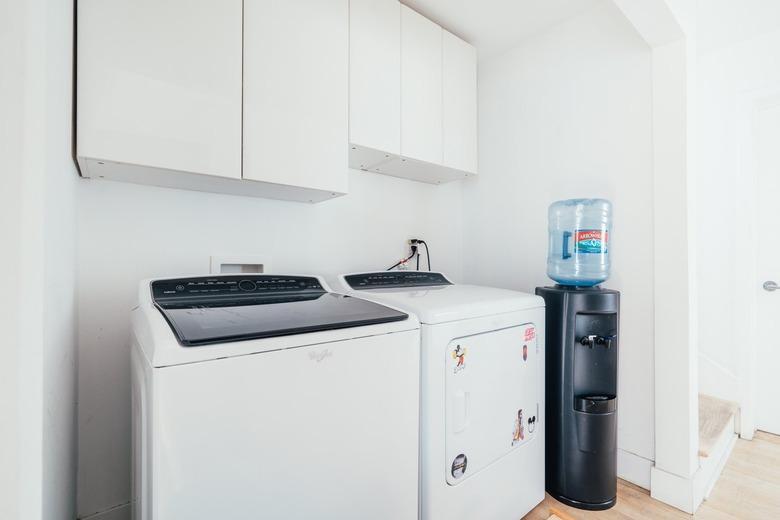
x,y
578,252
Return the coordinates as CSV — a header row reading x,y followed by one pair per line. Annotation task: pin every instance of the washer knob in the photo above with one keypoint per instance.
x,y
247,285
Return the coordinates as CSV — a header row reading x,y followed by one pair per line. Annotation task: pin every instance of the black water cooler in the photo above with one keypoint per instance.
x,y
581,384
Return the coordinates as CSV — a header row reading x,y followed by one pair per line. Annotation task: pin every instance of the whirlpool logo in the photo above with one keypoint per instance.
x,y
320,355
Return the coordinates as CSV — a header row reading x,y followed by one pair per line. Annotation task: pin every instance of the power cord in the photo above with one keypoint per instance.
x,y
414,245
427,255
414,252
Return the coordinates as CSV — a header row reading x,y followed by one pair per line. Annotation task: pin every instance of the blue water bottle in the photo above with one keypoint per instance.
x,y
580,231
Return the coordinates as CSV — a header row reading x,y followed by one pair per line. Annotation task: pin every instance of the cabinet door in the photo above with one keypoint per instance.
x,y
459,100
159,84
296,92
421,83
375,74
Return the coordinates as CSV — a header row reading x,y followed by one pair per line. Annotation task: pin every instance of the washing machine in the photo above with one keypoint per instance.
x,y
260,396
482,392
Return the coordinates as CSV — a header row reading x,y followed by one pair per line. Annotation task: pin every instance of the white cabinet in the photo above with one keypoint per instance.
x,y
421,87
459,103
170,92
413,95
374,81
258,97
159,88
296,94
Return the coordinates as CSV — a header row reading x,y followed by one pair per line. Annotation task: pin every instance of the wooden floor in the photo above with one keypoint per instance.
x,y
748,489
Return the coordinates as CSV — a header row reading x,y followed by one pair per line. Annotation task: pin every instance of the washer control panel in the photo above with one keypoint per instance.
x,y
395,279
233,285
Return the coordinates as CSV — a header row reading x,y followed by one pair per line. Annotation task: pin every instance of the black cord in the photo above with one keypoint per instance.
x,y
427,253
414,252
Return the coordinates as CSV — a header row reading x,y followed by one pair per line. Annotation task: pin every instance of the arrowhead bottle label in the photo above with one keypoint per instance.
x,y
590,241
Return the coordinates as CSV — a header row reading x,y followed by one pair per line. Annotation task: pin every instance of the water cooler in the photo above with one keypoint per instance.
x,y
581,357
581,395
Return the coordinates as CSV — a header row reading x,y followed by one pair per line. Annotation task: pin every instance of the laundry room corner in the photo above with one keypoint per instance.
x,y
567,113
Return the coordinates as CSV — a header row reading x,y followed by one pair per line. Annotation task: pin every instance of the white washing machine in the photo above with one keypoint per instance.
x,y
258,396
482,393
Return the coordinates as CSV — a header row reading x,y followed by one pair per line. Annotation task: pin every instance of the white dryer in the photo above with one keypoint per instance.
x,y
482,393
258,396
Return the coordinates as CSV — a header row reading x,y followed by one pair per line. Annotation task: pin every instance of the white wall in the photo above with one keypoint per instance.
x,y
725,22
38,232
569,114
128,233
11,160
727,75
59,271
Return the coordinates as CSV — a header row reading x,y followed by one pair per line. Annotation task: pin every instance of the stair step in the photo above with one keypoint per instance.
x,y
715,415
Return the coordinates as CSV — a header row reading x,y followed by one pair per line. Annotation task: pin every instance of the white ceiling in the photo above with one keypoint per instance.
x,y
497,25
494,26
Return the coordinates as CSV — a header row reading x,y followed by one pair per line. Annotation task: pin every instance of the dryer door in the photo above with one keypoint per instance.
x,y
491,397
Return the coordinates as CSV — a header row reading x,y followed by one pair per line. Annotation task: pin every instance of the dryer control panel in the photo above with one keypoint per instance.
x,y
395,279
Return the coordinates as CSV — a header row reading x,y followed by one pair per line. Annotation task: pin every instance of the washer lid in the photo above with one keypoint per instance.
x,y
438,302
208,310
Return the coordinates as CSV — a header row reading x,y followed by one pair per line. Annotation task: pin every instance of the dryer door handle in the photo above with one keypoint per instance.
x,y
461,406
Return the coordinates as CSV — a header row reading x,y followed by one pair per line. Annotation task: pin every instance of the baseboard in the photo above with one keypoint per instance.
x,y
673,490
712,467
687,494
634,468
120,512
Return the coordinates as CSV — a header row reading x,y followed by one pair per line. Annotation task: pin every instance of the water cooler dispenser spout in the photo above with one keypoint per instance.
x,y
594,340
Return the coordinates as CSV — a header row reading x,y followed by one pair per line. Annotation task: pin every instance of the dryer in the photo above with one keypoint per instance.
x,y
482,392
259,396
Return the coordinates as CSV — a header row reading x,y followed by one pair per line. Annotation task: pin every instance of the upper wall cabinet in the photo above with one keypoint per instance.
x,y
374,81
459,104
296,97
425,110
159,85
421,87
160,95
